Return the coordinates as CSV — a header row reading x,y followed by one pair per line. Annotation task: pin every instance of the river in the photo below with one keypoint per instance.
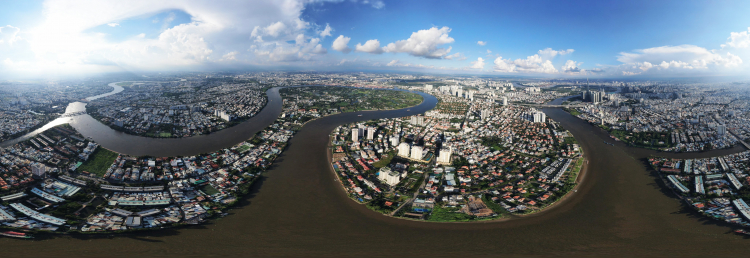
x,y
298,209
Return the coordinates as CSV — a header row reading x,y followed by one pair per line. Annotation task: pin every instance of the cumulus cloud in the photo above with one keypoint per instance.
x,y
738,39
532,64
231,56
392,63
572,67
341,44
326,32
481,43
424,43
676,58
551,53
214,29
371,46
456,56
479,64
9,34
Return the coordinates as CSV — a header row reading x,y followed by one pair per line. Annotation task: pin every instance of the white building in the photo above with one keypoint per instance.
x,y
403,149
38,170
394,141
445,156
484,114
371,133
538,117
355,134
388,176
416,152
505,101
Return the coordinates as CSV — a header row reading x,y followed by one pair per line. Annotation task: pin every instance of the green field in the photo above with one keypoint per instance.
x,y
444,214
209,190
98,162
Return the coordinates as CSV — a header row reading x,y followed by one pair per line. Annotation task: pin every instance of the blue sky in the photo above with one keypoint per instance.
x,y
544,38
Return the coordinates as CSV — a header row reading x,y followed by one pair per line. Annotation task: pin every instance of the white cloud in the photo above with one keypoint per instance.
x,y
392,63
489,52
738,39
424,43
231,56
9,34
371,46
675,58
479,64
326,32
572,67
549,53
377,4
340,44
532,64
62,42
481,43
456,56
275,29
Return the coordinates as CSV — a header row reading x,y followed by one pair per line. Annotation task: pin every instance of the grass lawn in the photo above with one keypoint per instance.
x,y
98,162
385,161
243,148
124,84
209,190
165,134
443,214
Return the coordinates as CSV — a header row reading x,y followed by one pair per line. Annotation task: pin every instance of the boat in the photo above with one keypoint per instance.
x,y
408,109
359,115
14,234
742,231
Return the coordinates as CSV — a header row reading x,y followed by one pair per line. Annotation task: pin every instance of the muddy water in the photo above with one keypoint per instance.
x,y
299,210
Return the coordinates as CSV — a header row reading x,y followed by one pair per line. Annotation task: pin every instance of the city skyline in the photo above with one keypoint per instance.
x,y
567,40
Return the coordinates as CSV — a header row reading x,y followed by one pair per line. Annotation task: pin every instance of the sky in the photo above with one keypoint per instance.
x,y
638,39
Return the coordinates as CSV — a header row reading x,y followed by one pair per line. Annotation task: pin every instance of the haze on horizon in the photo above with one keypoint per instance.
x,y
634,39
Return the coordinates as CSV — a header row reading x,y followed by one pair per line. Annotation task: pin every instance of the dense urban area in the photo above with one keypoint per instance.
x,y
486,151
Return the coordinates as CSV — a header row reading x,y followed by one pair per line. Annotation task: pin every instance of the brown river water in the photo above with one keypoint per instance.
x,y
298,210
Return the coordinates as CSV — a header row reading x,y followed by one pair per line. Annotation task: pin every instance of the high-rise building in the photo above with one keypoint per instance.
x,y
403,149
394,141
537,116
416,152
371,133
445,156
484,114
505,101
721,129
38,170
355,134
388,176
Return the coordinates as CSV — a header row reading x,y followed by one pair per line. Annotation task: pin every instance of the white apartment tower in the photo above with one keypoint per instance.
x,y
38,170
355,134
445,156
403,149
370,133
416,152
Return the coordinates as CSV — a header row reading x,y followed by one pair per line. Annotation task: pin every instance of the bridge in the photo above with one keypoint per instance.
x,y
551,106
